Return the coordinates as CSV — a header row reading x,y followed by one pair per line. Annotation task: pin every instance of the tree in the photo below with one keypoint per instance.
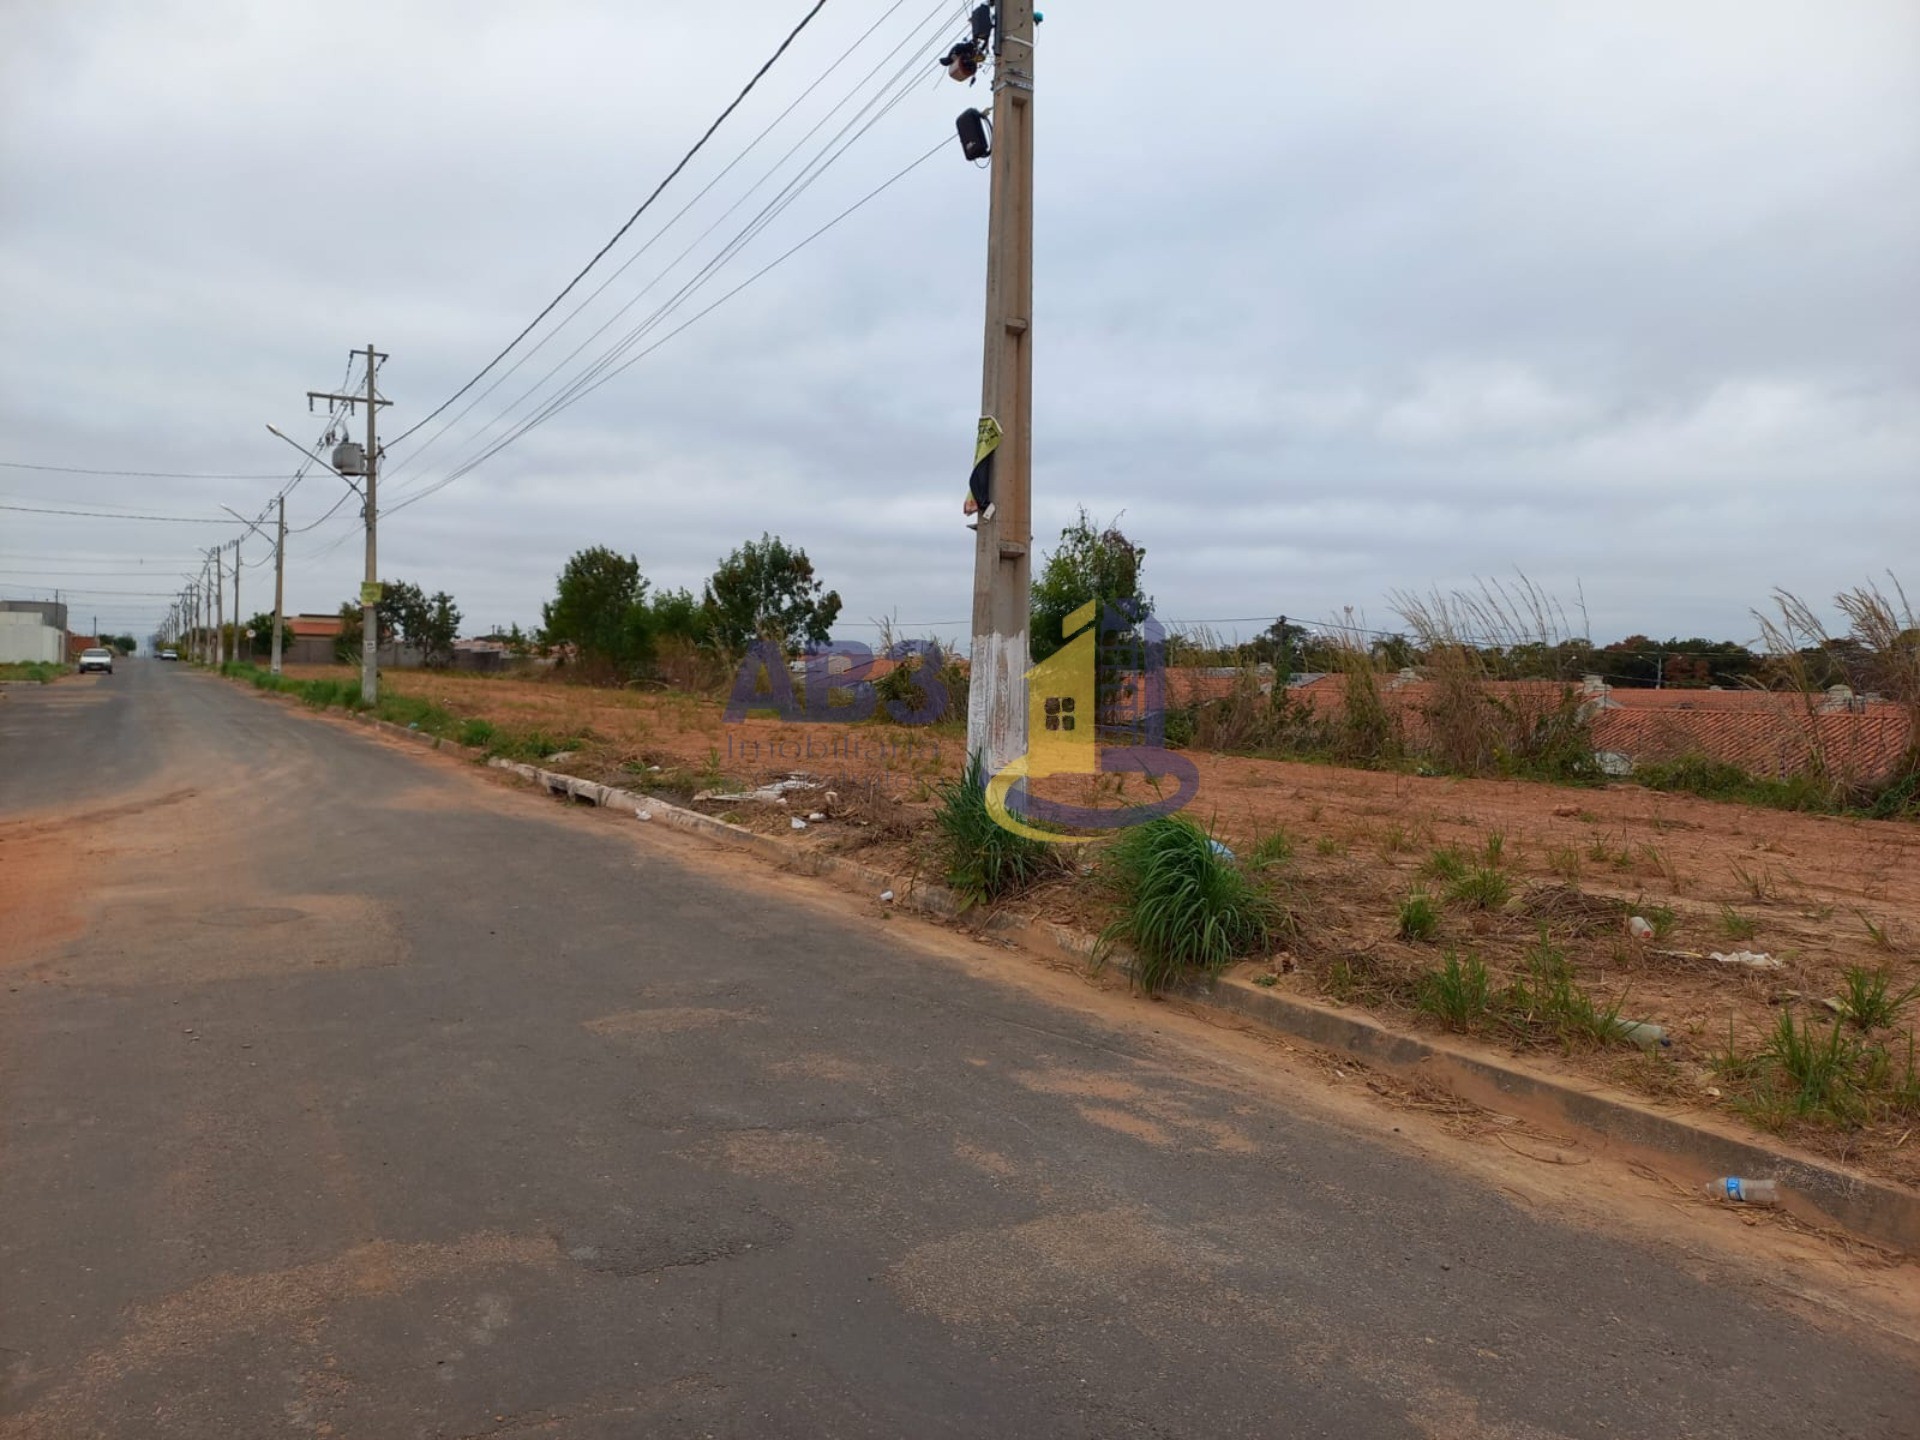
x,y
676,615
346,645
767,591
262,627
600,609
1089,564
429,623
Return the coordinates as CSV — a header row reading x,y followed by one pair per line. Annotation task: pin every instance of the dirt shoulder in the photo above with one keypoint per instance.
x,y
1818,896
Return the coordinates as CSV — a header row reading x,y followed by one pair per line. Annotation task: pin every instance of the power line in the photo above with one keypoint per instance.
x,y
129,474
938,13
645,205
117,515
566,400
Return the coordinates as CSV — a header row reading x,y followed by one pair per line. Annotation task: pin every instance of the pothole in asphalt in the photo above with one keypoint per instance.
x,y
248,915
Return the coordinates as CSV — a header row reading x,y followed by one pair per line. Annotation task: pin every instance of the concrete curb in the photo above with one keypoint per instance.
x,y
1814,1189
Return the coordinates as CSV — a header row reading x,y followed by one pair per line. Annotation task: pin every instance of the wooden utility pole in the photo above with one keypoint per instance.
x,y
1002,567
370,590
279,581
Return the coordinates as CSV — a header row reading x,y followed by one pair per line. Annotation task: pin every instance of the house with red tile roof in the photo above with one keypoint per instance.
x,y
310,639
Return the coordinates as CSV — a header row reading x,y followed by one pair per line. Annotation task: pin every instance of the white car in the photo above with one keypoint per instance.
x,y
169,654
96,657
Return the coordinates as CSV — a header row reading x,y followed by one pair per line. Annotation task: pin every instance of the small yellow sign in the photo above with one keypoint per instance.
x,y
370,593
989,440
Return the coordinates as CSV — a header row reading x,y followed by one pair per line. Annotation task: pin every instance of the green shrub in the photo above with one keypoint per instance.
x,y
35,672
1183,903
981,859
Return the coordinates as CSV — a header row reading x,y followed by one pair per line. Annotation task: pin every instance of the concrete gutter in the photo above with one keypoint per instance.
x,y
1692,1147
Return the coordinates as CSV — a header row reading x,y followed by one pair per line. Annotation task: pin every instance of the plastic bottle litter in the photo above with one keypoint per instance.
x,y
798,823
886,897
1751,959
816,816
1644,1033
1222,851
1640,928
1736,1191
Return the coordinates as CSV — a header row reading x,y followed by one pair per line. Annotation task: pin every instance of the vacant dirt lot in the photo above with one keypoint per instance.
x,y
1816,894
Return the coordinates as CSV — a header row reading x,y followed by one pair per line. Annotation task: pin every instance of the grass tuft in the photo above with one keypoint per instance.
x,y
1483,888
1183,904
1458,994
983,860
1868,1003
1419,917
1273,849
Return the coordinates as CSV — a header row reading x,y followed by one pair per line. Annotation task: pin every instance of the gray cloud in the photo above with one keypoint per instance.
x,y
1331,300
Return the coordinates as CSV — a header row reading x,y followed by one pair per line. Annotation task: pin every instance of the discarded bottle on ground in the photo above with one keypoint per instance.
x,y
1640,928
1733,1189
1644,1033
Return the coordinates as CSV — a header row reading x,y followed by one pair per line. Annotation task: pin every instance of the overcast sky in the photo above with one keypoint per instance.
x,y
1330,300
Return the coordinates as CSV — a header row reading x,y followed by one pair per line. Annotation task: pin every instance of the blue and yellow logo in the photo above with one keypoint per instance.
x,y
1066,714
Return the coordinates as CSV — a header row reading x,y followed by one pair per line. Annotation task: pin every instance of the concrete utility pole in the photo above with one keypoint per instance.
x,y
219,610
1002,567
279,581
370,591
236,601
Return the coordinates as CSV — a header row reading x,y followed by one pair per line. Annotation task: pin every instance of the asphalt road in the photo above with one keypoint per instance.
x,y
354,1095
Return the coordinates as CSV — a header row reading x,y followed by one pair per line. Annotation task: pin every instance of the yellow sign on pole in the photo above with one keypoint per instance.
x,y
989,439
370,593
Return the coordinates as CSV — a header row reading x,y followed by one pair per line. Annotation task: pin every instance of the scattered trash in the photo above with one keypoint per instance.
x,y
1736,1191
1748,958
1222,851
886,897
653,769
1713,1091
1838,1007
798,823
1644,1033
643,814
1640,928
774,794
832,799
816,816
